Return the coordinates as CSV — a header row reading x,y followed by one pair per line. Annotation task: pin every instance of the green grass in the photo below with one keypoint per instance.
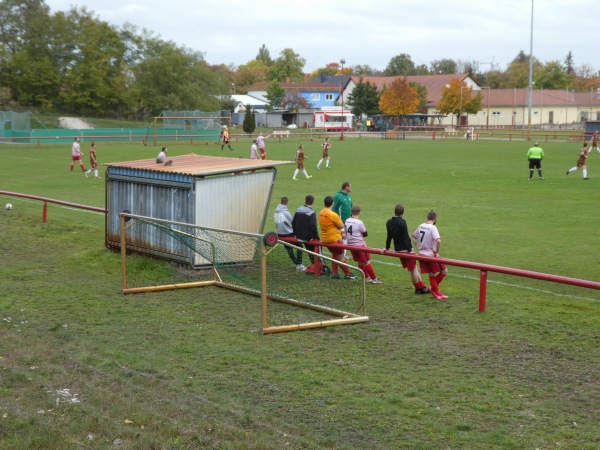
x,y
188,369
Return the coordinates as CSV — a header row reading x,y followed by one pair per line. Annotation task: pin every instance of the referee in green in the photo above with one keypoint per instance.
x,y
535,156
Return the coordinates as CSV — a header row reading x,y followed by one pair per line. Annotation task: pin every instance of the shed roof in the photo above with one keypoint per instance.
x,y
198,165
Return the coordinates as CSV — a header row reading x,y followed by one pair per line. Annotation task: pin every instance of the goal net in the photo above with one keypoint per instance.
x,y
186,126
254,264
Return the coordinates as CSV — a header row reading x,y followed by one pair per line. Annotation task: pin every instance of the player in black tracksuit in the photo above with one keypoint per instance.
x,y
397,230
304,224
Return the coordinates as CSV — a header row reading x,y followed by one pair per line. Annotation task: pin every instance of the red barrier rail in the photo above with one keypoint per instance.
x,y
483,268
52,200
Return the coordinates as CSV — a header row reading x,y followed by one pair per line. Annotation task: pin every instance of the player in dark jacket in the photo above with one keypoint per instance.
x,y
397,230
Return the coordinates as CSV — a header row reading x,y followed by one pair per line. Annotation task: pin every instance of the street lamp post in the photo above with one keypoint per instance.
x,y
233,87
342,62
487,116
452,116
460,109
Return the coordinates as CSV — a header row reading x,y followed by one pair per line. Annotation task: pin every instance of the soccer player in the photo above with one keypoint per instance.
x,y
326,146
225,138
332,232
260,140
397,231
595,146
305,228
535,155
428,240
581,161
342,201
162,155
299,158
355,235
283,227
93,162
253,150
76,155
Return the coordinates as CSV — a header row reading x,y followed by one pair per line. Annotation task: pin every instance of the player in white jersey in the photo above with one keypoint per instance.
x,y
260,141
428,240
76,155
355,235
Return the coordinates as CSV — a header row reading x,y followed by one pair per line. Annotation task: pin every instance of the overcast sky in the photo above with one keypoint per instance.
x,y
364,32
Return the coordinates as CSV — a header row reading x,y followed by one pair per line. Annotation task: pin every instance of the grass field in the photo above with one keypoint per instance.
x,y
82,366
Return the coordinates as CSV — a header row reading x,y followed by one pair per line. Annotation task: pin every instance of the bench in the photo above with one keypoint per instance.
x,y
281,133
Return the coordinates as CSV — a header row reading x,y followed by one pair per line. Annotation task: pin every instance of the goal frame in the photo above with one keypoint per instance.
x,y
267,243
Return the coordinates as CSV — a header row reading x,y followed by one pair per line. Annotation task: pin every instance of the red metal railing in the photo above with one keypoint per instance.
x,y
483,268
52,200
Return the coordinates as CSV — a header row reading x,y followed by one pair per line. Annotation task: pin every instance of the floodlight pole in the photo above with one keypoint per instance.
x,y
460,109
530,74
487,117
342,62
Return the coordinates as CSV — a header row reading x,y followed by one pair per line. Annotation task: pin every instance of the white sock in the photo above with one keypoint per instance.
x,y
327,163
572,169
88,172
295,173
305,174
319,163
584,173
96,173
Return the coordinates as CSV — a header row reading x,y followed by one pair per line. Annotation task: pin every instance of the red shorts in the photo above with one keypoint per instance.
x,y
263,153
408,264
361,257
431,267
77,158
336,252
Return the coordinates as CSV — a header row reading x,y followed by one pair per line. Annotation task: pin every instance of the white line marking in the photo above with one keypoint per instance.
x,y
544,291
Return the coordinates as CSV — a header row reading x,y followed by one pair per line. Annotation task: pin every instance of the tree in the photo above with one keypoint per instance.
x,y
422,92
26,42
365,69
329,70
248,74
294,101
443,66
94,83
288,65
364,99
552,76
569,66
249,124
399,98
275,95
173,78
458,99
400,64
264,56
422,69
517,73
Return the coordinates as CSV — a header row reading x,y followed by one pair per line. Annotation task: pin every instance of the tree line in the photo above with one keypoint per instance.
x,y
72,62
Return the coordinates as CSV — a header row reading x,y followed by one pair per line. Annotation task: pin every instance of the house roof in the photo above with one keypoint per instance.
x,y
248,100
539,97
198,165
433,83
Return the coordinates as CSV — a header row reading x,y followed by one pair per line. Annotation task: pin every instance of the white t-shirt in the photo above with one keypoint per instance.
x,y
426,236
253,152
355,231
260,140
75,149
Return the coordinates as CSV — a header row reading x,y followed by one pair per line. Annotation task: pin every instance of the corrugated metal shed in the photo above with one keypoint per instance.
x,y
216,192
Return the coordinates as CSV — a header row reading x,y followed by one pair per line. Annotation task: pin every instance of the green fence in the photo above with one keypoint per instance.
x,y
109,135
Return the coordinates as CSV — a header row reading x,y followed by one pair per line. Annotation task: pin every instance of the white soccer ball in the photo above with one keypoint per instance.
x,y
8,206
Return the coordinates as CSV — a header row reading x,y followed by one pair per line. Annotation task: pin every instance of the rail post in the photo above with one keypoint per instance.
x,y
482,289
45,212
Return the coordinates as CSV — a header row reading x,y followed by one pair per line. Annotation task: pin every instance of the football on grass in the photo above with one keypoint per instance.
x,y
8,206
